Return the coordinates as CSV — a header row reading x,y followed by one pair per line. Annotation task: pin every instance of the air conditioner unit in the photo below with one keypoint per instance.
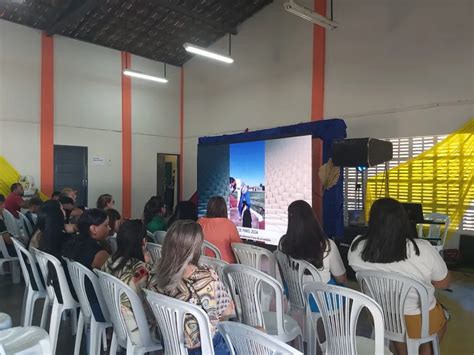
x,y
309,15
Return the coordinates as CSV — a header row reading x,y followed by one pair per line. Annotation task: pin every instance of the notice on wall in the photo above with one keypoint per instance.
x,y
98,161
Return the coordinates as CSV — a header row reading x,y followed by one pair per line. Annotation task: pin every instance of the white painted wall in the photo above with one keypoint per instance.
x,y
88,111
400,68
155,126
268,85
19,97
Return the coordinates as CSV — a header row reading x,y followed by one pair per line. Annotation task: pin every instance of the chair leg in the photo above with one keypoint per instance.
x,y
29,306
113,345
95,338
435,345
23,305
15,265
73,313
44,315
413,346
80,331
104,338
54,324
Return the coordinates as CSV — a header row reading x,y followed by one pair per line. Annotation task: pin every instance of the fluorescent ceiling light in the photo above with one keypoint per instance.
x,y
205,53
137,74
309,15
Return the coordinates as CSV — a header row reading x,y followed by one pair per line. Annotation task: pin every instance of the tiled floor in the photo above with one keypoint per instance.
x,y
459,339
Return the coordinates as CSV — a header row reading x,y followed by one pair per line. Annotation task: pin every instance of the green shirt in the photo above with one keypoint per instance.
x,y
158,223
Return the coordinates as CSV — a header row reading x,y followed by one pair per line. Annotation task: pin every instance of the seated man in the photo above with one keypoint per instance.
x,y
34,205
14,202
7,238
71,211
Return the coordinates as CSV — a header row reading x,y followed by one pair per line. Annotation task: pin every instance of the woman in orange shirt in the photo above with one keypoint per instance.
x,y
218,229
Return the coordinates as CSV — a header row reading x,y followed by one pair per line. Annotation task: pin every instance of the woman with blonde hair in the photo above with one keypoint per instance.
x,y
179,276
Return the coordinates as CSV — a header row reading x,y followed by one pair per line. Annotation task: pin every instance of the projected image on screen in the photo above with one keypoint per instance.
x,y
259,180
247,184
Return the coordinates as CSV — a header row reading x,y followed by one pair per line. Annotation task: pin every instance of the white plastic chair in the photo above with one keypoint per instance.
x,y
434,230
243,339
25,341
8,259
150,235
5,321
155,251
253,256
12,224
215,250
295,273
34,286
68,301
79,274
113,242
113,289
216,264
159,237
170,314
245,283
390,291
340,308
26,225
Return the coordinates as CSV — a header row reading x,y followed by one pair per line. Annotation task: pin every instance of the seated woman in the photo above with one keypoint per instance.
x,y
50,236
179,276
105,201
131,264
153,214
391,246
218,229
88,249
184,210
115,219
306,240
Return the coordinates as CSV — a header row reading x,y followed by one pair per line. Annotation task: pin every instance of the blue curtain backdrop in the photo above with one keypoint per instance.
x,y
327,131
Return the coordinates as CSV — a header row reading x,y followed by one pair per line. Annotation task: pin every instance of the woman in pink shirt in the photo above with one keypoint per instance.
x,y
218,229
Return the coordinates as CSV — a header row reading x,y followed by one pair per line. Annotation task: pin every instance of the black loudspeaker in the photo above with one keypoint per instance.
x,y
361,152
466,249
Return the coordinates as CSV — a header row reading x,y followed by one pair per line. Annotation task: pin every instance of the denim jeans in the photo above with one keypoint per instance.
x,y
220,347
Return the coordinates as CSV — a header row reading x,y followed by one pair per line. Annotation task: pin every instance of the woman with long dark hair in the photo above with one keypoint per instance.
x,y
391,246
153,214
179,276
184,210
218,229
131,264
305,240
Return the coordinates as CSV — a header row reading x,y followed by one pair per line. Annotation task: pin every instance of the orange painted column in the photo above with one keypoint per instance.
x,y
181,134
126,138
47,115
317,102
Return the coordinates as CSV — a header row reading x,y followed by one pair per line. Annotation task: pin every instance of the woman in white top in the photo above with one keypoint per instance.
x,y
391,246
306,240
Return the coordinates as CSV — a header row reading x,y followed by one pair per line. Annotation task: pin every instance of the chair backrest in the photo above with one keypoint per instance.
x,y
113,242
390,291
244,339
112,290
253,256
434,230
31,273
26,224
245,283
340,308
79,274
293,271
217,264
155,251
149,234
4,250
170,314
159,237
43,260
215,250
11,223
